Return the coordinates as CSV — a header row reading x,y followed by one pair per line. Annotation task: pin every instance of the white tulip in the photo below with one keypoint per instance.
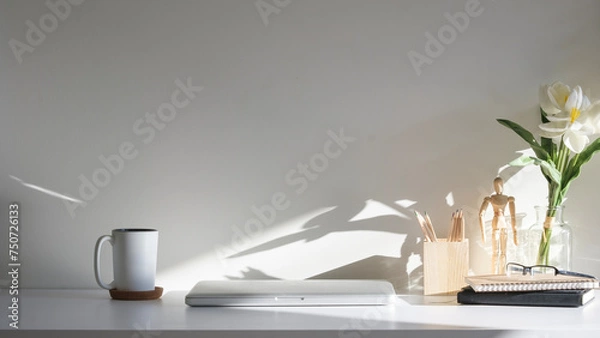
x,y
554,97
575,123
591,116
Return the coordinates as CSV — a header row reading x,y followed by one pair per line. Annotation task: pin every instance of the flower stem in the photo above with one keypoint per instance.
x,y
544,250
555,199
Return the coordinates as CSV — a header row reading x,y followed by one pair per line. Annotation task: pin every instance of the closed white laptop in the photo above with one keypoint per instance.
x,y
317,292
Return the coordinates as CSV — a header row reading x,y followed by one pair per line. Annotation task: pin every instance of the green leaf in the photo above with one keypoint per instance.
x,y
574,168
543,115
526,135
522,161
548,168
547,143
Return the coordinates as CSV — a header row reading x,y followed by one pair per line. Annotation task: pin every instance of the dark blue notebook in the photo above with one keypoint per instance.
x,y
559,298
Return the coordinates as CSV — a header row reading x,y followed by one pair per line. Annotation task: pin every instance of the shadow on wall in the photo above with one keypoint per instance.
x,y
339,219
433,173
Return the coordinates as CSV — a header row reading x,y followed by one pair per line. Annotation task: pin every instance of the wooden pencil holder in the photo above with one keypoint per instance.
x,y
445,266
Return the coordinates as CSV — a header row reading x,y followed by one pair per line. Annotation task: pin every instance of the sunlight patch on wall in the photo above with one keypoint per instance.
x,y
47,191
450,199
374,209
526,185
185,275
317,242
414,261
300,260
215,264
405,203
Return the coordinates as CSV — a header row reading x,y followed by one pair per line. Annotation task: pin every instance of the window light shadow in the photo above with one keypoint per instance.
x,y
344,218
47,191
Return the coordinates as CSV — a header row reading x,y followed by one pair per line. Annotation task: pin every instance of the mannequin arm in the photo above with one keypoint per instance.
x,y
513,218
484,205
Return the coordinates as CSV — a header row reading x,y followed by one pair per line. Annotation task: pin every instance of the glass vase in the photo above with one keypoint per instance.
x,y
559,247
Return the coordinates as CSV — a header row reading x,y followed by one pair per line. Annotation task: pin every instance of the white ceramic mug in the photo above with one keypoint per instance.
x,y
134,259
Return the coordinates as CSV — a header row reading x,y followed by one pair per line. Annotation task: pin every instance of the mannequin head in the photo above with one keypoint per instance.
x,y
498,185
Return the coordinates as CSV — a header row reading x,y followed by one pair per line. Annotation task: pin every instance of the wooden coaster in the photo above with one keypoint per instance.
x,y
136,295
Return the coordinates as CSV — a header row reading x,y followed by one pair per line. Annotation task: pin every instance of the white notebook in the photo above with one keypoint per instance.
x,y
503,283
317,292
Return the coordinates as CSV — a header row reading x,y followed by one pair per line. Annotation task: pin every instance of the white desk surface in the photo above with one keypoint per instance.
x,y
65,310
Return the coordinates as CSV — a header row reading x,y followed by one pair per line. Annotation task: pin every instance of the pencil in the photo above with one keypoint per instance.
x,y
430,228
421,221
462,226
451,230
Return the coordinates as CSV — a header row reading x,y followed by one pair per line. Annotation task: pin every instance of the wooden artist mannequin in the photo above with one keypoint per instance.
x,y
499,230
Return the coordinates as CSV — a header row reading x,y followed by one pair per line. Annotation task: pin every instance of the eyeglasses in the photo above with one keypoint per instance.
x,y
519,269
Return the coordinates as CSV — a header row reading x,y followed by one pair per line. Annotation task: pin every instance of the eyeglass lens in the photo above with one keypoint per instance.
x,y
517,269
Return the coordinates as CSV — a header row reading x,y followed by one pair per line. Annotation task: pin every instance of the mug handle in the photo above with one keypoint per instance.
x,y
101,240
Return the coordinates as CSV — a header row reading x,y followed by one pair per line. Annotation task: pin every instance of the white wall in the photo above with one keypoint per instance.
x,y
273,92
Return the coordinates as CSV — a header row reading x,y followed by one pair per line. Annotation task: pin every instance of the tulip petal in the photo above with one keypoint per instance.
x,y
561,89
581,128
585,103
591,117
575,141
554,126
562,116
579,96
593,109
571,101
546,102
554,136
558,93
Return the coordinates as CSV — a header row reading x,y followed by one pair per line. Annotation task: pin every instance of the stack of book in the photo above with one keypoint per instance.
x,y
537,290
